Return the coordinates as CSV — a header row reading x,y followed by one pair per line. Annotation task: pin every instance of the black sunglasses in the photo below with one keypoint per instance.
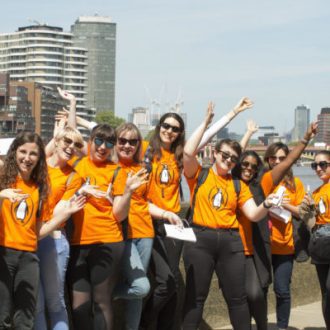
x,y
67,141
225,155
274,158
323,165
167,126
131,142
246,164
99,142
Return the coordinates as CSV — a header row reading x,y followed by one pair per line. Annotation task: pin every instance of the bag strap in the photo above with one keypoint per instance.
x,y
40,202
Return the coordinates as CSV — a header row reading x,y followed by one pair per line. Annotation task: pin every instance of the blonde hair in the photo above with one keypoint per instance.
x,y
70,133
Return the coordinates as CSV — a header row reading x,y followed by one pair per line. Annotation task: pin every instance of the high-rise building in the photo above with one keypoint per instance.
x,y
323,134
98,35
301,122
45,54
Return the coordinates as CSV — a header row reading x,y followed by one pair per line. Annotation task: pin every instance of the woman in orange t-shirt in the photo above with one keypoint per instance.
x,y
219,246
163,158
23,191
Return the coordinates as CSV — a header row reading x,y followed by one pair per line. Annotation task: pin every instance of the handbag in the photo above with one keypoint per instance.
x,y
319,244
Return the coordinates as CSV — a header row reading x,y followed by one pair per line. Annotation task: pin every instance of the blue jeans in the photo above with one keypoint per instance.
x,y
135,284
282,268
54,256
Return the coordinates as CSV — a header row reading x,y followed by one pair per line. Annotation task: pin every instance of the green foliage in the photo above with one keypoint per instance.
x,y
108,117
148,136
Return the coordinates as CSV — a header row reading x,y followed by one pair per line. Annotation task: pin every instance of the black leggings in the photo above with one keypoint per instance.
x,y
220,251
160,311
323,273
256,295
92,274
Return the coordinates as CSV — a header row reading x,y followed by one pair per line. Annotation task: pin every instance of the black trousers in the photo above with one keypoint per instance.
x,y
19,280
160,311
220,251
323,273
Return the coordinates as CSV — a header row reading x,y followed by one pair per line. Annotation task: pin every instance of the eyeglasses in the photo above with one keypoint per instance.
x,y
323,165
99,142
68,143
175,129
131,142
225,155
246,164
274,158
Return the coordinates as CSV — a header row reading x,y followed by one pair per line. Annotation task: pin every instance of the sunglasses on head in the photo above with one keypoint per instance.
x,y
323,165
167,126
131,142
225,156
274,158
99,141
67,141
246,164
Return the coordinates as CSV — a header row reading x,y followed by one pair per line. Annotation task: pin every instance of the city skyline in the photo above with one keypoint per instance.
x,y
276,53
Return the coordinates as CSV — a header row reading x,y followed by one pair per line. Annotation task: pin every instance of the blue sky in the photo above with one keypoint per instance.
x,y
275,52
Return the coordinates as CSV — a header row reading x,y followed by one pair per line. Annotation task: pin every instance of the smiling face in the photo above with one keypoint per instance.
x,y
27,157
277,158
170,130
225,159
249,167
100,150
323,167
66,147
127,145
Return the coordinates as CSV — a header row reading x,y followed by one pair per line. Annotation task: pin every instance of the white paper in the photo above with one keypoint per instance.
x,y
184,234
280,214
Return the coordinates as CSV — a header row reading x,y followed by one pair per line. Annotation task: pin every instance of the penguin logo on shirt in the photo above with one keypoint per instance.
x,y
322,205
22,211
164,175
217,198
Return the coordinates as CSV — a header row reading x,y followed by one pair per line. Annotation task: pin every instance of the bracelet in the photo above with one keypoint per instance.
x,y
304,141
265,205
162,216
77,193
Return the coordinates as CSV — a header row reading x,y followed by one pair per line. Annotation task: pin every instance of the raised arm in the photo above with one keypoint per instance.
x,y
251,128
242,105
190,163
72,110
279,170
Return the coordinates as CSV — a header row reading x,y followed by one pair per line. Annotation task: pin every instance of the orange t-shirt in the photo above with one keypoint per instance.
x,y
245,225
216,201
63,185
18,221
95,223
165,181
321,197
282,233
139,219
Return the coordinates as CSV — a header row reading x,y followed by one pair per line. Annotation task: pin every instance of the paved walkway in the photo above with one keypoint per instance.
x,y
306,317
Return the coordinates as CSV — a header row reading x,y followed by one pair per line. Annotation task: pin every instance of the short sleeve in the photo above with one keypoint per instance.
x,y
119,183
74,184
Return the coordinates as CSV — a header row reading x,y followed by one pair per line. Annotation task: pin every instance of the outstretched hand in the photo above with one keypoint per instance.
x,y
76,204
252,126
14,195
243,104
209,113
66,95
311,131
136,180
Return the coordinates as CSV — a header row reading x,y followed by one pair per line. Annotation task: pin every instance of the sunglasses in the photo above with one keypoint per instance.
x,y
246,164
131,142
225,156
274,158
108,144
323,165
166,126
68,143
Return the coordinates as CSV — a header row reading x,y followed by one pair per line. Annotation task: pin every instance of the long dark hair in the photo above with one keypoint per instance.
x,y
10,169
177,145
271,151
237,170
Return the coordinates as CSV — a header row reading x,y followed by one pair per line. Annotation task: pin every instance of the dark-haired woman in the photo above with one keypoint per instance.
x,y
256,236
164,157
219,247
97,241
320,227
23,191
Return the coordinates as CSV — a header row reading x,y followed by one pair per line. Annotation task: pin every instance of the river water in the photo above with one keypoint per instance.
x,y
305,174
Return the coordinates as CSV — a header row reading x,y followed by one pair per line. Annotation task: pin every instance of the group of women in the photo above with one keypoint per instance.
x,y
92,215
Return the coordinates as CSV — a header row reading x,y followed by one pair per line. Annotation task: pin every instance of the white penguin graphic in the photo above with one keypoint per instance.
x,y
217,199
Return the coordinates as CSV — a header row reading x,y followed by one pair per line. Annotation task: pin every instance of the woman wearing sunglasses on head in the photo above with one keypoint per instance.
x,y
256,236
315,211
281,228
134,283
163,158
219,247
23,203
53,250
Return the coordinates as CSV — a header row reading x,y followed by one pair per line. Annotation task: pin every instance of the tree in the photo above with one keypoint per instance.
x,y
108,117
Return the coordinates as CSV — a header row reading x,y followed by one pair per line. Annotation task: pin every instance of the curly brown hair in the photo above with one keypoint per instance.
x,y
10,169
